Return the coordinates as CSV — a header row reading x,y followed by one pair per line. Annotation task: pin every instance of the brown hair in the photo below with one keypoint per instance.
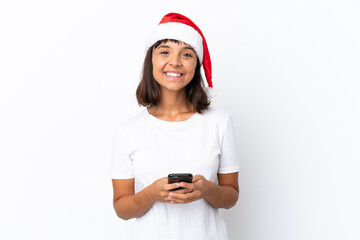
x,y
148,91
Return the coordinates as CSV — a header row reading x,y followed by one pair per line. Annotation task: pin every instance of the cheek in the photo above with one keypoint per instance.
x,y
192,68
158,64
154,65
155,68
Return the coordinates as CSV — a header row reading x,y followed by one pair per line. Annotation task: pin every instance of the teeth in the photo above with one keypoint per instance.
x,y
173,74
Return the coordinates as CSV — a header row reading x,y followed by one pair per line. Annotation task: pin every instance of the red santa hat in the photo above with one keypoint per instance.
x,y
178,27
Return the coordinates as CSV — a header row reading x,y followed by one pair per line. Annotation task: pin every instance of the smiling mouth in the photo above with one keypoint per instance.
x,y
171,74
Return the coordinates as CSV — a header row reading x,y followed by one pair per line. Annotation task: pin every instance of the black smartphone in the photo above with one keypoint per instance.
x,y
179,177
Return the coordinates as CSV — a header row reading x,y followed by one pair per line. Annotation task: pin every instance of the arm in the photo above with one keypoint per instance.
x,y
129,205
223,195
226,194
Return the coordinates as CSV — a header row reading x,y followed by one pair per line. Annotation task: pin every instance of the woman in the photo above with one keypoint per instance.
x,y
177,132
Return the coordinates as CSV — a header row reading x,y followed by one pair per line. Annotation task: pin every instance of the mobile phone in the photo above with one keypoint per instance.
x,y
180,177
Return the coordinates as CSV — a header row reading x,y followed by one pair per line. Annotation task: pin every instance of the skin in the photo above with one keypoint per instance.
x,y
174,58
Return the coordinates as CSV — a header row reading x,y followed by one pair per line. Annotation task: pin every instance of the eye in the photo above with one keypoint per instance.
x,y
187,55
164,52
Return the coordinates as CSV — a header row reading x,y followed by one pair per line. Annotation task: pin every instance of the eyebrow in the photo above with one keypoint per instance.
x,y
163,46
190,48
186,47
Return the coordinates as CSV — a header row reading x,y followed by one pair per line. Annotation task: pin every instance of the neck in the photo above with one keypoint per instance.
x,y
173,103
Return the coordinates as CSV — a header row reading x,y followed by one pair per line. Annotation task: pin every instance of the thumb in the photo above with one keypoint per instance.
x,y
197,178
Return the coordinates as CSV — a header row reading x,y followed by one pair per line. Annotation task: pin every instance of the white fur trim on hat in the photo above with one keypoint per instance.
x,y
177,31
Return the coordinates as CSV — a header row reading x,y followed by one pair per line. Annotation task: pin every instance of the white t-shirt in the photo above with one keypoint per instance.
x,y
147,148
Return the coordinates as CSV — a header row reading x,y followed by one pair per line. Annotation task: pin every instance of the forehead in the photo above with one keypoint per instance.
x,y
171,43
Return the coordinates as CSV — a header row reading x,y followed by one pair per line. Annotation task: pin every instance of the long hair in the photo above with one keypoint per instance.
x,y
148,90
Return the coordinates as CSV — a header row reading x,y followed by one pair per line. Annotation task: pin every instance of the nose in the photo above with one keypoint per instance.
x,y
175,60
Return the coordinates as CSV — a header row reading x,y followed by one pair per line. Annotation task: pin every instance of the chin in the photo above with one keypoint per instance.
x,y
173,88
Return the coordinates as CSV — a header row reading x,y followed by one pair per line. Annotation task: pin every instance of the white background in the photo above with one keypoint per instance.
x,y
287,71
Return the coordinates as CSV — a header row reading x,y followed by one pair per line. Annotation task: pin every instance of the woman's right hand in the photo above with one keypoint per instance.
x,y
160,189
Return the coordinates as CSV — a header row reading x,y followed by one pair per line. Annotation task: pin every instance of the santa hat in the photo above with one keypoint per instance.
x,y
178,27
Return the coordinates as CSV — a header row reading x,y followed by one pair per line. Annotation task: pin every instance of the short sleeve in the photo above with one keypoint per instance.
x,y
228,157
121,164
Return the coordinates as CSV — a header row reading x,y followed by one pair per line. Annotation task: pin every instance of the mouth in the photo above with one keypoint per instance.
x,y
174,74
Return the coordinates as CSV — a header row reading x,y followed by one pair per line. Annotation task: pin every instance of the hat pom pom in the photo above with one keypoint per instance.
x,y
211,92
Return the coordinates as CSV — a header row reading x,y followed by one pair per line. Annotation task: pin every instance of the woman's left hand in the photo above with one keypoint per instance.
x,y
198,189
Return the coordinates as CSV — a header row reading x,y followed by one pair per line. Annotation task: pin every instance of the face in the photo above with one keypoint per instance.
x,y
173,65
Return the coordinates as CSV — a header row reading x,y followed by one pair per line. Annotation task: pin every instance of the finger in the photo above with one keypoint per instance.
x,y
182,197
177,201
183,191
197,178
171,186
189,186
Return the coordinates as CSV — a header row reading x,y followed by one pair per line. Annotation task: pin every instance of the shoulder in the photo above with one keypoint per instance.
x,y
217,114
216,118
